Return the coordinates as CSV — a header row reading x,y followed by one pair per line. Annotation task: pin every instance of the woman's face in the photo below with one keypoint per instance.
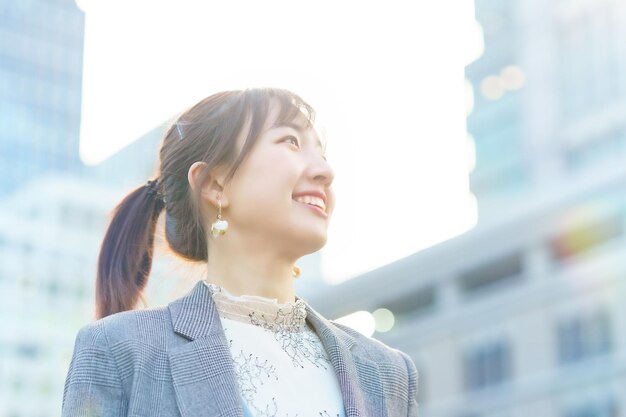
x,y
286,160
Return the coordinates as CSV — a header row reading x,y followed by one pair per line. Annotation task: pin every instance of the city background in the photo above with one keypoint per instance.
x,y
521,315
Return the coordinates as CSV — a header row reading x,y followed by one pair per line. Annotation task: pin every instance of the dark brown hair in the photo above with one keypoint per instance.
x,y
205,132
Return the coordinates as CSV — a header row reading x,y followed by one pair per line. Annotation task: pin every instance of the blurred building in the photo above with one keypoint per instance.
x,y
524,315
44,230
521,316
132,165
41,62
51,229
49,234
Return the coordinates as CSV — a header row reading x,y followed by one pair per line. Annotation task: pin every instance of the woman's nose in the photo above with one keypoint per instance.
x,y
322,171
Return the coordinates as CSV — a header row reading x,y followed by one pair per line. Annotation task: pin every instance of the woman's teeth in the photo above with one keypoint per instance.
x,y
315,201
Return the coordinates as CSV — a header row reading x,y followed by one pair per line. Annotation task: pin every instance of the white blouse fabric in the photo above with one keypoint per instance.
x,y
280,364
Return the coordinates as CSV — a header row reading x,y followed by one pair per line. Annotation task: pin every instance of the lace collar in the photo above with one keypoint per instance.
x,y
259,311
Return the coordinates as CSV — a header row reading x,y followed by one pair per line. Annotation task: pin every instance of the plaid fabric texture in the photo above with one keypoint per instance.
x,y
175,361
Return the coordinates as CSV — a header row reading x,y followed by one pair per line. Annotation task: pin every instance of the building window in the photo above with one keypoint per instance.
x,y
589,59
584,337
487,366
493,274
606,147
414,303
27,350
53,287
602,408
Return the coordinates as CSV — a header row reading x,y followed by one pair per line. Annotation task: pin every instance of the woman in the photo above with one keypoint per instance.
x,y
246,190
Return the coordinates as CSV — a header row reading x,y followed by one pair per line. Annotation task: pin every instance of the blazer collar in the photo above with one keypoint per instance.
x,y
207,387
352,369
327,331
195,316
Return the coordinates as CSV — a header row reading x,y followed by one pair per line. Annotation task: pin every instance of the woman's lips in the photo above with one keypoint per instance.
x,y
316,209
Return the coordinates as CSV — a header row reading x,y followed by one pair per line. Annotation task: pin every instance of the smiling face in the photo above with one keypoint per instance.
x,y
286,160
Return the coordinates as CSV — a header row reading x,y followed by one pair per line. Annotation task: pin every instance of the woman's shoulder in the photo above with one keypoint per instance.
x,y
395,361
373,348
126,326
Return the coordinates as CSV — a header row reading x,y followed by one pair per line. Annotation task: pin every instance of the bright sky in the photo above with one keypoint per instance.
x,y
386,79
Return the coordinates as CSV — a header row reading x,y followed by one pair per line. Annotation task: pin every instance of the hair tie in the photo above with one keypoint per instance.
x,y
155,189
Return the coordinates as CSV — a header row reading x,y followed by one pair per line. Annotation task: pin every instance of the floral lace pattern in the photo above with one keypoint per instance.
x,y
273,351
260,311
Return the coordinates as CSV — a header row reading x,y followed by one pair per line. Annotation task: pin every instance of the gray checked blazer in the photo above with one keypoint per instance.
x,y
175,361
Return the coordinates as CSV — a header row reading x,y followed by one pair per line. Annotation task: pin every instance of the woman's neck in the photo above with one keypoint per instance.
x,y
256,274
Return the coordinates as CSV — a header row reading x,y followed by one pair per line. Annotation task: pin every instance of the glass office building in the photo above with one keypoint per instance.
x,y
524,314
41,54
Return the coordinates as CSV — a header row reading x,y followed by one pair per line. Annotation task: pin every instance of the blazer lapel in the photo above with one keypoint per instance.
x,y
359,377
202,371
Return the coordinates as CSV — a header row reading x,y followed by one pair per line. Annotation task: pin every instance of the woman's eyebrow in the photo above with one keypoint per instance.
x,y
300,130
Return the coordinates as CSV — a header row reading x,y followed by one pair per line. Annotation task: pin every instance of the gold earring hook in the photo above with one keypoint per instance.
x,y
219,226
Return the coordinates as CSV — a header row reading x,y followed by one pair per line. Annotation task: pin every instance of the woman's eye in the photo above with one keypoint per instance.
x,y
293,139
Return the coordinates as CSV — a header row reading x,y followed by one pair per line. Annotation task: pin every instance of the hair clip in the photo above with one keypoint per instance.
x,y
178,130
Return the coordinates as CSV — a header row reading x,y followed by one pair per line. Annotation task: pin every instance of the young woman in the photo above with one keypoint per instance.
x,y
246,190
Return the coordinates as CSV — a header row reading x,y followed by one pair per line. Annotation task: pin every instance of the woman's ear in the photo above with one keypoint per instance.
x,y
212,186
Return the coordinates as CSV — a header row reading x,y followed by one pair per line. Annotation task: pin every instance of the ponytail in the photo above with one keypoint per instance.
x,y
125,258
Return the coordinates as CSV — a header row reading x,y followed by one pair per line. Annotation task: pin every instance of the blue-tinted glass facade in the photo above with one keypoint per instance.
x,y
495,124
41,54
590,63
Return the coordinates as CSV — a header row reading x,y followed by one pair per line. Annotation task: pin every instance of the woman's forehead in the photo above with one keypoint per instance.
x,y
292,116
280,115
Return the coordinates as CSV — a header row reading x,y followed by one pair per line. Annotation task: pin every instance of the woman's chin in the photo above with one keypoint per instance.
x,y
311,241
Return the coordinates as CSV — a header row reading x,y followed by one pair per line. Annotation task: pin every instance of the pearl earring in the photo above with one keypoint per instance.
x,y
219,226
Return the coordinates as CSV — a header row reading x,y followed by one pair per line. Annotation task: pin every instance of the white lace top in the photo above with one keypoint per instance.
x,y
281,366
